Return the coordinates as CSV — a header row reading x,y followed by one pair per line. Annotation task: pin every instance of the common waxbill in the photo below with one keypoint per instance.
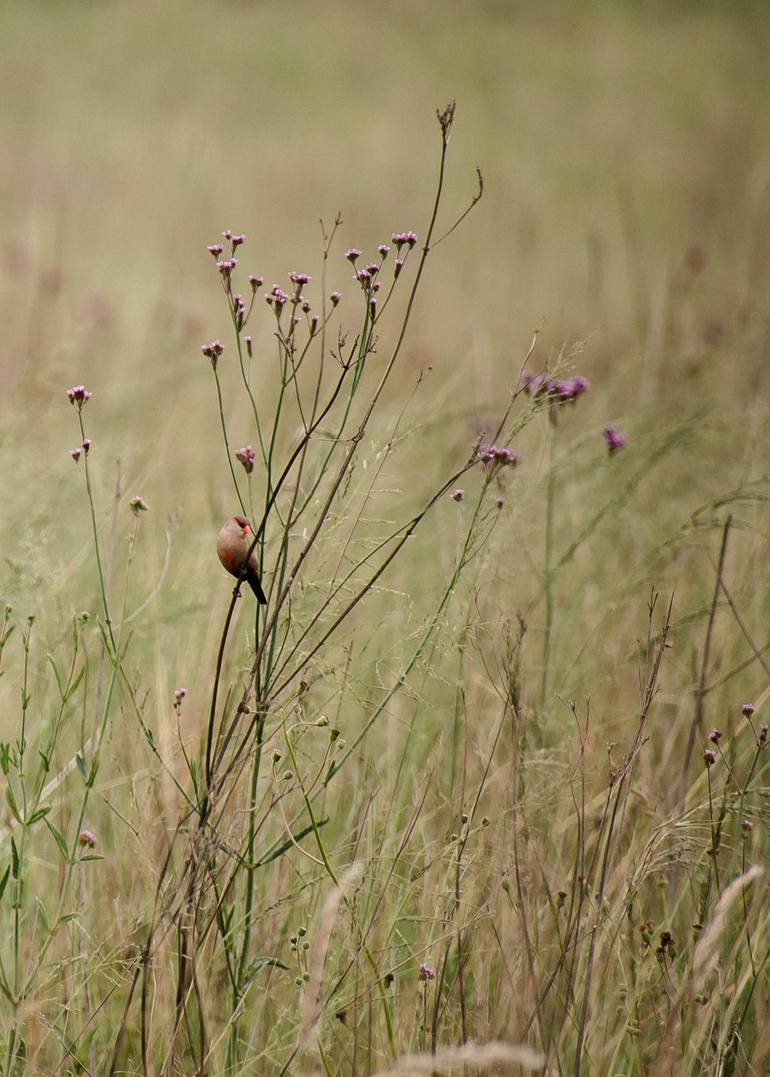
x,y
233,545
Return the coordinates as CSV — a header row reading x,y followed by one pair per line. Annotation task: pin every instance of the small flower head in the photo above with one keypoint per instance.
x,y
305,306
458,495
226,267
372,269
614,439
179,694
763,734
747,710
255,282
335,298
227,234
398,265
213,351
75,454
499,502
247,342
427,971
215,249
352,254
237,241
382,250
246,457
747,826
78,395
87,838
709,757
715,736
372,307
137,505
86,445
299,278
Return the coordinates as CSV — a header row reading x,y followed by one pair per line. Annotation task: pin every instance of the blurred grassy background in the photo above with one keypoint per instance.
x,y
625,155
626,162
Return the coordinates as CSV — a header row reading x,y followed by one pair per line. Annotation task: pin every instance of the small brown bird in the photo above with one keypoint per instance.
x,y
233,545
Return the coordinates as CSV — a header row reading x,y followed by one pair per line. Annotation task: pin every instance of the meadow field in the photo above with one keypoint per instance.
x,y
465,306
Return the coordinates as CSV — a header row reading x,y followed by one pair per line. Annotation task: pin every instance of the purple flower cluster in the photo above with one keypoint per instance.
x,y
401,238
493,458
245,456
559,390
213,351
277,298
87,838
457,495
78,395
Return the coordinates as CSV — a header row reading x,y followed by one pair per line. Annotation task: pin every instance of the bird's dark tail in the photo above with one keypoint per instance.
x,y
252,578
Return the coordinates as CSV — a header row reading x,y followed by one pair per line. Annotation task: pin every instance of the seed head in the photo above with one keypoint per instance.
x,y
137,505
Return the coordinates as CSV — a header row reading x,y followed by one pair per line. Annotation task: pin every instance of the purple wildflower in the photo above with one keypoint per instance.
x,y
75,454
457,495
747,709
427,971
87,837
246,457
87,443
215,249
352,254
335,298
78,395
383,249
615,440
237,241
715,736
709,757
255,282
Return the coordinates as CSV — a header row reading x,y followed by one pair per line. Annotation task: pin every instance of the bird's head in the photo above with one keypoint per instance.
x,y
242,524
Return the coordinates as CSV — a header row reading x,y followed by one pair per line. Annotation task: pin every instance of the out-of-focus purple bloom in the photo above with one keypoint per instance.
x,y
215,249
335,298
352,254
75,454
709,757
457,495
88,838
427,971
499,502
747,709
237,241
227,234
615,440
715,736
87,443
383,249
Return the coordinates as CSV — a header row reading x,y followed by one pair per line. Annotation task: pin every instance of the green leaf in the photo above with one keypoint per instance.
x,y
12,803
14,858
74,686
257,965
80,763
36,816
58,837
52,664
4,881
90,856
